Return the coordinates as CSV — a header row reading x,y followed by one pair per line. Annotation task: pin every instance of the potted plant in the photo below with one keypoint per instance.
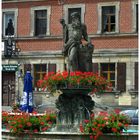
x,y
28,123
5,119
75,80
105,123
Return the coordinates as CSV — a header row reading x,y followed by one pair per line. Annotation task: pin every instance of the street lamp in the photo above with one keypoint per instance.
x,y
10,48
20,75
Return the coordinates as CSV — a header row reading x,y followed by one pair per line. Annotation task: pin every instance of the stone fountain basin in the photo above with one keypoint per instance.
x,y
66,136
70,91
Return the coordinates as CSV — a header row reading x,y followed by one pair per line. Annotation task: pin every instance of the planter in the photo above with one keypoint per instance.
x,y
68,135
70,91
4,125
109,130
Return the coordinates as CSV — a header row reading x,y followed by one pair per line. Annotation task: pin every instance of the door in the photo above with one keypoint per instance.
x,y
8,88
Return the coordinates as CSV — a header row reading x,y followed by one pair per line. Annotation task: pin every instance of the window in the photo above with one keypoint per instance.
x,y
108,17
68,9
108,71
114,72
39,72
137,17
135,9
9,22
40,21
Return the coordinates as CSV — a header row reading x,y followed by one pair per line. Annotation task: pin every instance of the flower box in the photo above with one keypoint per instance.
x,y
19,123
68,135
105,123
73,80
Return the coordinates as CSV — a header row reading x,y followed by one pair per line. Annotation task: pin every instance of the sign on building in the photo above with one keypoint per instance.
x,y
11,67
125,100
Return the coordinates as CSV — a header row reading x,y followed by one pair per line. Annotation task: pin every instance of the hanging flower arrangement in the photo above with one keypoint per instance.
x,y
77,79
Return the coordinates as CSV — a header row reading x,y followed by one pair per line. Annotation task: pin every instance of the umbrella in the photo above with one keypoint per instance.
x,y
27,98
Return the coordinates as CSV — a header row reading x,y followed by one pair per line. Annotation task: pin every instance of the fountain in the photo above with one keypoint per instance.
x,y
73,108
74,104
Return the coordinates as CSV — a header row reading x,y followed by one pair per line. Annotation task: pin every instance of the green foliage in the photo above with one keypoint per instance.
x,y
104,123
28,123
76,79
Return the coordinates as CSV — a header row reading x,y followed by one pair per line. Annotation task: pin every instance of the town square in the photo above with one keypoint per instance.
x,y
69,70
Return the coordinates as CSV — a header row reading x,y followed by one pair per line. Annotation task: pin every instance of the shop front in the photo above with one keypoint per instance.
x,y
8,84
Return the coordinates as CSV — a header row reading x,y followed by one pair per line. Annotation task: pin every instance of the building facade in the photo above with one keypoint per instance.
x,y
112,26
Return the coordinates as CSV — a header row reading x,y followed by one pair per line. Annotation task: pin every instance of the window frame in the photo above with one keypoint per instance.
x,y
39,73
37,19
68,6
109,72
100,23
33,9
134,24
109,23
6,11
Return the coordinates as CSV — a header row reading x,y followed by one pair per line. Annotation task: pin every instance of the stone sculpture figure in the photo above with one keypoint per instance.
x,y
10,28
76,106
73,35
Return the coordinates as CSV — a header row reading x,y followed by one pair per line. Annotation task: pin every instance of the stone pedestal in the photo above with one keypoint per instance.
x,y
74,107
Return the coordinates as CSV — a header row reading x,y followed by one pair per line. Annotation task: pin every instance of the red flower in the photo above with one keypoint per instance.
x,y
93,129
29,124
95,137
20,126
106,118
92,115
117,111
35,130
49,122
99,125
86,121
14,130
94,123
103,125
114,130
42,123
81,128
119,124
126,125
91,137
48,118
44,128
34,112
103,113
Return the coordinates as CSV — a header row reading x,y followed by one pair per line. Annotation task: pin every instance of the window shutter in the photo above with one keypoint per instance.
x,y
95,67
121,76
52,68
136,75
